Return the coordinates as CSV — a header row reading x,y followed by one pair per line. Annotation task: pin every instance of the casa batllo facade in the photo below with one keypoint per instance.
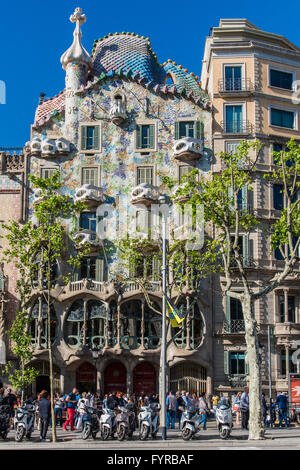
x,y
122,122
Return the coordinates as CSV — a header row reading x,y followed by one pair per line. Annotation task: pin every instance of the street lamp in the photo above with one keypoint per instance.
x,y
95,354
163,357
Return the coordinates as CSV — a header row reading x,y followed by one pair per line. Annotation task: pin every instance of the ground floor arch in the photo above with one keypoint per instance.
x,y
144,378
86,377
115,377
189,377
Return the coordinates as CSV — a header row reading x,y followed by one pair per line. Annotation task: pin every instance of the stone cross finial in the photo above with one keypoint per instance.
x,y
77,16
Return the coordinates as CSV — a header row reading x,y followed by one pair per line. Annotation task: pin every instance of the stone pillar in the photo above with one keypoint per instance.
x,y
286,304
287,360
143,325
62,379
129,381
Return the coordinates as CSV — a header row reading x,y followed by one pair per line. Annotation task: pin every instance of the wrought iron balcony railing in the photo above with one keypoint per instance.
x,y
238,380
236,127
233,326
235,85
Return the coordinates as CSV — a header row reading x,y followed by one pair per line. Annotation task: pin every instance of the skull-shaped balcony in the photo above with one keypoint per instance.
x,y
144,194
87,237
180,194
48,148
91,195
188,149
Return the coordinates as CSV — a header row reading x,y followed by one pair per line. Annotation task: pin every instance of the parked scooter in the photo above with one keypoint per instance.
x,y
224,420
148,420
4,420
90,422
190,422
108,424
24,421
125,421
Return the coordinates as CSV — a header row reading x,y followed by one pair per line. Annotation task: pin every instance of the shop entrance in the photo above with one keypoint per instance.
x,y
115,378
144,379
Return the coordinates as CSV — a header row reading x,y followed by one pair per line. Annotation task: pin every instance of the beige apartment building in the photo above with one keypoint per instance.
x,y
251,77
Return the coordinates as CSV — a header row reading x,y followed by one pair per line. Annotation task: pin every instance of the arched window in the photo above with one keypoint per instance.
x,y
193,322
89,316
74,325
96,314
39,325
140,326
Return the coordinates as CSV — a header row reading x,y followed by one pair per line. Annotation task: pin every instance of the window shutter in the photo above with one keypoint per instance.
x,y
198,130
177,132
226,362
245,251
138,136
83,137
100,269
96,140
151,136
227,313
246,365
244,199
230,199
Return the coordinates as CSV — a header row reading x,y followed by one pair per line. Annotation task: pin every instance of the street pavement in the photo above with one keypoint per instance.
x,y
277,438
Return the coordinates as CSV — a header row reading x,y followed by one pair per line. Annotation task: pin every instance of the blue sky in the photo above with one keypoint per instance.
x,y
33,35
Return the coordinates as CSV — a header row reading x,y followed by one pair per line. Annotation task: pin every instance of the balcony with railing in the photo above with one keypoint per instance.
x,y
236,127
238,380
235,86
233,326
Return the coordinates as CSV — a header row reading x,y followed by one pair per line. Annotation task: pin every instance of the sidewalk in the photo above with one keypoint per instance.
x,y
284,439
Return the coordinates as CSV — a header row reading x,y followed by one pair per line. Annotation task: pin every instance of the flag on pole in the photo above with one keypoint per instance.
x,y
176,317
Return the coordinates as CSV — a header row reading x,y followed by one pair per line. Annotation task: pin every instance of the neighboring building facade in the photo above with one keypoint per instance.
x,y
251,77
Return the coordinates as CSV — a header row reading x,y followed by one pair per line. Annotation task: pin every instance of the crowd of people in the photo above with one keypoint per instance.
x,y
70,408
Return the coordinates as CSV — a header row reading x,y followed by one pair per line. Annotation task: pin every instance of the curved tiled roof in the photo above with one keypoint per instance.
x,y
130,56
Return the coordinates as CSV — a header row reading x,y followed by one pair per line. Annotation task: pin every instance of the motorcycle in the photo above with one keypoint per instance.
x,y
24,421
224,420
4,420
108,424
148,420
190,422
125,421
90,422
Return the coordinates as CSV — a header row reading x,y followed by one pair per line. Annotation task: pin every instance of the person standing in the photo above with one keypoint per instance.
x,y
236,406
282,403
203,410
244,407
264,407
81,404
215,401
180,404
171,410
12,401
44,408
71,401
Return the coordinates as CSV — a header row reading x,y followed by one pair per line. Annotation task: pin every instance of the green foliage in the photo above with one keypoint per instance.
x,y
285,231
34,249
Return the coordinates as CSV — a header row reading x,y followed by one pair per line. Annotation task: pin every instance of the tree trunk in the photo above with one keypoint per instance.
x,y
50,357
256,428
